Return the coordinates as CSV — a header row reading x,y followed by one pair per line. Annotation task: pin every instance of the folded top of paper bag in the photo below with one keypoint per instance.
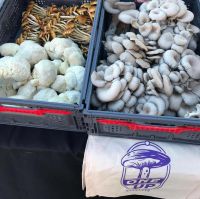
x,y
116,167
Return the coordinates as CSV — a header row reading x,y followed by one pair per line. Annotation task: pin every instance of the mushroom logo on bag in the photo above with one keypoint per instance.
x,y
145,166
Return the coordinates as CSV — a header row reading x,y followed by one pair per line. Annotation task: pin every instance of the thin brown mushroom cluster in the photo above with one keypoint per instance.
x,y
44,24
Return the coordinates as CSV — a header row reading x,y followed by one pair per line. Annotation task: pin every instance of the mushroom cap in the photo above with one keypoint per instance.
x,y
145,29
166,40
143,18
171,9
110,8
128,16
97,80
157,14
110,93
141,158
155,32
187,17
191,65
172,58
180,40
125,5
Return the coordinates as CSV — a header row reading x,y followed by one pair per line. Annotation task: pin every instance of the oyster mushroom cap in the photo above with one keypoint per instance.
x,y
167,85
187,17
190,98
191,65
97,80
175,102
171,9
117,48
155,32
140,90
177,48
126,96
184,110
125,5
193,44
142,63
116,105
134,83
152,5
183,9
188,52
159,102
127,58
143,18
112,72
131,102
145,29
172,58
128,16
180,40
164,69
107,94
112,58
166,40
157,14
110,8
149,109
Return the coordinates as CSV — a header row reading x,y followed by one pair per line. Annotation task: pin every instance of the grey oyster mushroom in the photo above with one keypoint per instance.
x,y
159,74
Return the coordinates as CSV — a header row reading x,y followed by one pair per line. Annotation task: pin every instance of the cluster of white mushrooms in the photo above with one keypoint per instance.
x,y
52,73
151,66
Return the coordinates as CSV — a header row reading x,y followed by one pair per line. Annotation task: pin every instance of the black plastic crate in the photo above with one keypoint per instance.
x,y
39,113
162,128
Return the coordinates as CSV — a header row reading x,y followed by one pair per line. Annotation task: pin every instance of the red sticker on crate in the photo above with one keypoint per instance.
x,y
39,112
144,127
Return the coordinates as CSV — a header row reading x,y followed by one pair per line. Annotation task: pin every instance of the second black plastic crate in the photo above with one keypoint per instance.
x,y
138,126
39,113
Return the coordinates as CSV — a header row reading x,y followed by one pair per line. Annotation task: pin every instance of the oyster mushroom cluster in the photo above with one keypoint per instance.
x,y
151,65
53,72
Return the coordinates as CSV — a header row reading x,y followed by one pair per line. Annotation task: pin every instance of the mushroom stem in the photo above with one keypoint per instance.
x,y
144,173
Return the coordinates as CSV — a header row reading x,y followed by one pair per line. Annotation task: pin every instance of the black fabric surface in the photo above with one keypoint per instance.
x,y
41,164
